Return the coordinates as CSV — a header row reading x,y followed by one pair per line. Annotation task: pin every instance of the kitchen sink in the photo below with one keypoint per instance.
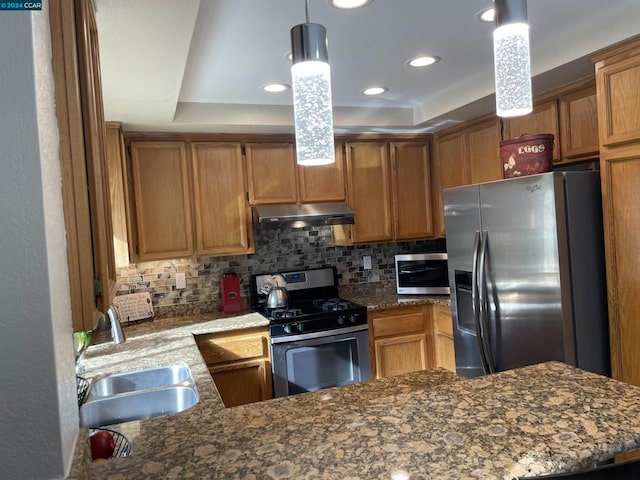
x,y
116,383
137,395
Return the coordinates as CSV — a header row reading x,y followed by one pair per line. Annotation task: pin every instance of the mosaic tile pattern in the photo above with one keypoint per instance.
x,y
276,250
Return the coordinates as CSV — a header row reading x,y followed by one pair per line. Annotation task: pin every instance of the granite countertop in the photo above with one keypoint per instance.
x,y
382,296
426,425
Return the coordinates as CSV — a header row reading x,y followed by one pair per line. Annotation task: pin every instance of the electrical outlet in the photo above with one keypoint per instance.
x,y
366,262
181,280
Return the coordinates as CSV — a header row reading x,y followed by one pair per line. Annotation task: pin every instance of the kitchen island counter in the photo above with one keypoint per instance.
x,y
431,424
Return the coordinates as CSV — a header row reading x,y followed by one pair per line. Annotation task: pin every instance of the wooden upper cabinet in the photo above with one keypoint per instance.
x,y
543,119
579,124
161,186
271,171
323,183
411,188
368,190
450,169
483,142
221,211
116,168
618,78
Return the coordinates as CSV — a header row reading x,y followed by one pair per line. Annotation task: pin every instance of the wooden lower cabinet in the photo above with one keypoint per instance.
x,y
443,337
400,340
409,339
239,363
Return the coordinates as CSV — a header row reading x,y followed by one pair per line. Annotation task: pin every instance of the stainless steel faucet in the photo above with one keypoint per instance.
x,y
116,329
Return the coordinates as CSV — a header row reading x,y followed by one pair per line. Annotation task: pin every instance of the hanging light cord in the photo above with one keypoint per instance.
x,y
306,10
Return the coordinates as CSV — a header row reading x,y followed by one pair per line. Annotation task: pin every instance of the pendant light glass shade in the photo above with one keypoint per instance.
x,y
512,59
311,85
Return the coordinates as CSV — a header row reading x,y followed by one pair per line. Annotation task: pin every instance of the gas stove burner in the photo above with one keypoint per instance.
x,y
286,313
333,305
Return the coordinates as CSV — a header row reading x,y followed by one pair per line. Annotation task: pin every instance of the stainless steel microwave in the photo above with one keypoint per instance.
x,y
422,274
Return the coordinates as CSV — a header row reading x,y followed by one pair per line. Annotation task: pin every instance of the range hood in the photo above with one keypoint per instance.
x,y
306,215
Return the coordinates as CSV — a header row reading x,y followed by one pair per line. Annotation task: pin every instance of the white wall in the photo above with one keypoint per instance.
x,y
37,379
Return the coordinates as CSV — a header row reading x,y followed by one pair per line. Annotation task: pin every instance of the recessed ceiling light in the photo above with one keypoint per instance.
x,y
276,87
487,15
423,61
349,4
375,90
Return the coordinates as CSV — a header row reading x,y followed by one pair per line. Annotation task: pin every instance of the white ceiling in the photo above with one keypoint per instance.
x,y
199,65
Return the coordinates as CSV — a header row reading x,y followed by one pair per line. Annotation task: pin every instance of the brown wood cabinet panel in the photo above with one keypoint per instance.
x,y
271,172
621,197
243,382
240,364
369,191
222,216
398,321
400,340
443,338
619,101
579,124
116,168
162,199
483,142
234,346
543,119
618,96
450,169
323,183
400,354
411,191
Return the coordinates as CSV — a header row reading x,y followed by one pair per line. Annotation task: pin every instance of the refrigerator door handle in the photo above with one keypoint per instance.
x,y
476,300
484,303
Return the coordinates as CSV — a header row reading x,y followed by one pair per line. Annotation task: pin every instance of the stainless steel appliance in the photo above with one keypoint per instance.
x,y
527,274
422,274
319,340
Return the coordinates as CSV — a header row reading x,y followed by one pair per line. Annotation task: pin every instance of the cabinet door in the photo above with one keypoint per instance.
x,y
368,190
243,382
579,125
400,354
484,152
162,200
411,182
543,119
619,98
323,183
450,169
620,197
443,338
116,167
221,210
271,170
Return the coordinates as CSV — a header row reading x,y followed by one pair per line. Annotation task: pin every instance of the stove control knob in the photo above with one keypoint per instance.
x,y
341,320
287,329
353,318
300,327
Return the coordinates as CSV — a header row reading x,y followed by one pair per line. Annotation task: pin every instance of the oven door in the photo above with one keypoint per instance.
x,y
309,362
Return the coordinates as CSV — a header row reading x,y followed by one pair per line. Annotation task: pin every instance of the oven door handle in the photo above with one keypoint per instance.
x,y
324,333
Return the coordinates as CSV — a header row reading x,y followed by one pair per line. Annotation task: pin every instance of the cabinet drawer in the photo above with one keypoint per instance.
x,y
442,318
216,350
414,321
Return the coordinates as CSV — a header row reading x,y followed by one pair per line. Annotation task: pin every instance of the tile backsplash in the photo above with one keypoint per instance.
x,y
275,250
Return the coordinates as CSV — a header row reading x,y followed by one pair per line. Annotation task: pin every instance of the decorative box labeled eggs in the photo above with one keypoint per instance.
x,y
527,155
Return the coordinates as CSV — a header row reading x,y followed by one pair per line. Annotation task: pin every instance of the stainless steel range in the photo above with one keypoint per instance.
x,y
318,340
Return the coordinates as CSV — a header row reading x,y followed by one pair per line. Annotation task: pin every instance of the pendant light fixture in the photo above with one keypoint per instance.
x,y
511,56
311,85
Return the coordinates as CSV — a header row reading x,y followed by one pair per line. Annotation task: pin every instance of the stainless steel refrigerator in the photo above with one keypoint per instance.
x,y
527,273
